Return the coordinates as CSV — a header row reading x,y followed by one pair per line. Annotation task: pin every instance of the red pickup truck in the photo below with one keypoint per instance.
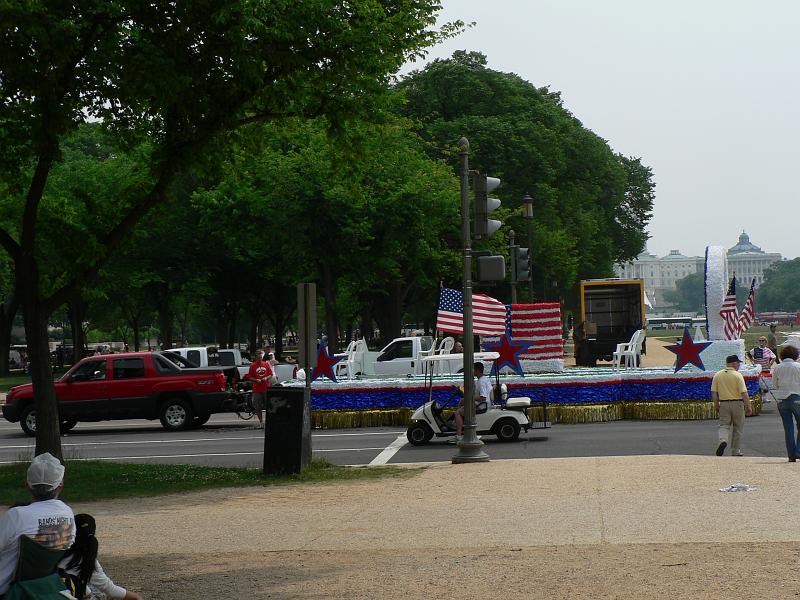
x,y
140,385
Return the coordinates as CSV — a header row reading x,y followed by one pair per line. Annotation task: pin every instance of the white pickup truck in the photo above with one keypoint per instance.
x,y
209,356
400,357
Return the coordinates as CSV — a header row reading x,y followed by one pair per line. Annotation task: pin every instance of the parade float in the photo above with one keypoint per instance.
x,y
530,346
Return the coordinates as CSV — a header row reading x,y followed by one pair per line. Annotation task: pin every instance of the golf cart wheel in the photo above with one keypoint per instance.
x,y
419,434
507,430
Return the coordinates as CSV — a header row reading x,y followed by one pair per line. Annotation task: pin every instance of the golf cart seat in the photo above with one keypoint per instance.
x,y
521,403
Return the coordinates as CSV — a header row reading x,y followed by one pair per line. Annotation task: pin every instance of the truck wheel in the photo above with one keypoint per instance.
x,y
27,420
68,424
176,414
419,433
507,430
200,420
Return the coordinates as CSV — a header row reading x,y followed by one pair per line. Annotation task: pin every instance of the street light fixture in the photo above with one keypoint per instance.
x,y
528,201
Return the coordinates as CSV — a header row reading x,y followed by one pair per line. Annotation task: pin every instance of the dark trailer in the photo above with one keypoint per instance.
x,y
611,311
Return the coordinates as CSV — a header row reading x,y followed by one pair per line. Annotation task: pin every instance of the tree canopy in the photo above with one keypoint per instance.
x,y
171,79
591,205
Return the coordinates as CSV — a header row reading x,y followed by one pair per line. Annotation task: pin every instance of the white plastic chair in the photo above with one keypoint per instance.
x,y
446,345
629,351
354,363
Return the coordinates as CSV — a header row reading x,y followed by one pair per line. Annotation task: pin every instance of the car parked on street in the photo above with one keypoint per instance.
x,y
141,385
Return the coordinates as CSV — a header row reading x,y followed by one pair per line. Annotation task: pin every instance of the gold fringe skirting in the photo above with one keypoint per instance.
x,y
556,413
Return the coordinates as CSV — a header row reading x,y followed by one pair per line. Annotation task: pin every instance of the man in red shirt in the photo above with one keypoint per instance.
x,y
260,373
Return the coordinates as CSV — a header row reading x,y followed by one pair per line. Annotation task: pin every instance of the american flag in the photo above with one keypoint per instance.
x,y
539,324
488,314
730,313
749,311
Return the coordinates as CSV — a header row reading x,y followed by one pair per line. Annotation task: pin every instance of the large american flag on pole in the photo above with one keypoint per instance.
x,y
749,311
488,314
730,313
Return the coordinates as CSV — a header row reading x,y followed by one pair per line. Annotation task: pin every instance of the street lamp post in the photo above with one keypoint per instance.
x,y
511,250
470,448
529,218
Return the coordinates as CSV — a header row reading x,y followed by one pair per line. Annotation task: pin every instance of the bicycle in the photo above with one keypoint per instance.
x,y
243,404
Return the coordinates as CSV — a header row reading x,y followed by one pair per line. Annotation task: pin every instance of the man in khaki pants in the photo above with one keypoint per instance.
x,y
731,403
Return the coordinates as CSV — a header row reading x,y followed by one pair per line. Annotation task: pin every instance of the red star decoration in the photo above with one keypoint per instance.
x,y
509,352
325,364
688,351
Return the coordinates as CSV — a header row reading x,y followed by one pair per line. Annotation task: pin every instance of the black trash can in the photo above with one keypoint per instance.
x,y
287,430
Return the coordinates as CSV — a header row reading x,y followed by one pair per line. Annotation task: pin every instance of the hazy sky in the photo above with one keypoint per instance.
x,y
706,93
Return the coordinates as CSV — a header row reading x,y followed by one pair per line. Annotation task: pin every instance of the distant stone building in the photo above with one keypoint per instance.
x,y
660,274
748,261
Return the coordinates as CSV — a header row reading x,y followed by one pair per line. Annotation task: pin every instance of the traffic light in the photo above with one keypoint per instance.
x,y
521,264
484,226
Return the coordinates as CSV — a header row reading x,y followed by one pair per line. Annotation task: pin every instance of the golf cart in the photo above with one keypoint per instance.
x,y
504,418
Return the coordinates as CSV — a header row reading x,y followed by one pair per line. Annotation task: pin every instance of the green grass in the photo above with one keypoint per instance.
x,y
6,383
99,480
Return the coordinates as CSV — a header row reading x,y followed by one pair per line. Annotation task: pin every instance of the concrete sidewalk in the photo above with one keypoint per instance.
x,y
383,538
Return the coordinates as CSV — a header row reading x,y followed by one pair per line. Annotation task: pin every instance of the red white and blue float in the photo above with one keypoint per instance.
x,y
532,365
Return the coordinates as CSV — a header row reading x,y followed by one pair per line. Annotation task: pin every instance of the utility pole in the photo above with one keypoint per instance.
x,y
512,256
470,448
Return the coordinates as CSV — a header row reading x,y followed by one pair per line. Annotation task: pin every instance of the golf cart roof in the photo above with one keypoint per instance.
x,y
478,356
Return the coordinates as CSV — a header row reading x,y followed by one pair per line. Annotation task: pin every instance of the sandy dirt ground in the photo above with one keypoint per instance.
x,y
611,527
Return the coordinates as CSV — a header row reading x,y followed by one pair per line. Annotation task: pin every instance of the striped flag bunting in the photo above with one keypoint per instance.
x,y
749,311
539,324
730,313
488,314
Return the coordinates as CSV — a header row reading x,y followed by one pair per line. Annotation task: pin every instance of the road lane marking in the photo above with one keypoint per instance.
x,y
180,440
146,457
143,442
390,451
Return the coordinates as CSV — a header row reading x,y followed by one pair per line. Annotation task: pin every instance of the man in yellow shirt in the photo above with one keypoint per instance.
x,y
731,403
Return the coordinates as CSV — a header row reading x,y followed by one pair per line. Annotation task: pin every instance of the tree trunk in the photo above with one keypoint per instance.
x,y
232,327
8,311
329,293
164,309
280,327
134,323
48,436
77,310
253,335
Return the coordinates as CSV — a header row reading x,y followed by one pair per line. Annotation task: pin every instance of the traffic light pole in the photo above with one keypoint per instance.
x,y
512,257
470,448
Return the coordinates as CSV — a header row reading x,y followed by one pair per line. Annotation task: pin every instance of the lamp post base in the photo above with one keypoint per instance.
x,y
470,448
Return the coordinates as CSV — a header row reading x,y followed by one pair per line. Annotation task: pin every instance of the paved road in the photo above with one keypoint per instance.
x,y
225,440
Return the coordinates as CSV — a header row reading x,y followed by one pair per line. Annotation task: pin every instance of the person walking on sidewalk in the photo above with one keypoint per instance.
x,y
786,379
731,403
259,373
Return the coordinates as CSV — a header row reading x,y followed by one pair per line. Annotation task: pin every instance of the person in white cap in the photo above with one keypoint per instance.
x,y
46,520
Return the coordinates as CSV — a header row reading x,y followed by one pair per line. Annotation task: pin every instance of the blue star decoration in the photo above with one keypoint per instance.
x,y
688,351
509,352
325,364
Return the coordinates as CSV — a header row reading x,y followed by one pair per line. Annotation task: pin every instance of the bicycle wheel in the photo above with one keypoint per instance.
x,y
244,407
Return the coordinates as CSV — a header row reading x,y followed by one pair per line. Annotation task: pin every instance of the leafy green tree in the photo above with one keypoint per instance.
x,y
367,219
591,205
176,76
779,290
689,293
